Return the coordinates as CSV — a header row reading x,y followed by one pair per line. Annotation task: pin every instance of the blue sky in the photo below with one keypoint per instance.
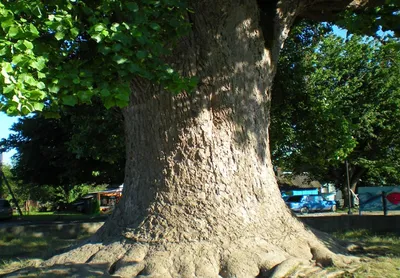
x,y
5,125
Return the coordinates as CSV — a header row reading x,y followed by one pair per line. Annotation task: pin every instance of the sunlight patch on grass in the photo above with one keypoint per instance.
x,y
384,267
24,251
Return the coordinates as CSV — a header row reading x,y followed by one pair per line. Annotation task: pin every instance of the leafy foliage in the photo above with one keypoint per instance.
x,y
65,52
342,103
84,145
373,20
4,191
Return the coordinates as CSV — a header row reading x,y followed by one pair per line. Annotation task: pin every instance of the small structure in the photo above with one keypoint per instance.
x,y
301,191
107,199
296,185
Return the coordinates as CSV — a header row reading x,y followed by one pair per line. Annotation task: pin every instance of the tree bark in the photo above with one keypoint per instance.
x,y
202,155
356,174
200,197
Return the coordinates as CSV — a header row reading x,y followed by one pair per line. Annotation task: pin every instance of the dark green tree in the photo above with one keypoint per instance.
x,y
68,151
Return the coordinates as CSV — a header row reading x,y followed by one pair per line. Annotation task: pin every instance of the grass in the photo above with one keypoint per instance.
x,y
380,254
19,251
23,250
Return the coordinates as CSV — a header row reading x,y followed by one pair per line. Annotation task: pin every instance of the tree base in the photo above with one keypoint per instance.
x,y
248,257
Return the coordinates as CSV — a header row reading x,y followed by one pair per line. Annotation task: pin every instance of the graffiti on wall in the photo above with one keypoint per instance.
x,y
377,198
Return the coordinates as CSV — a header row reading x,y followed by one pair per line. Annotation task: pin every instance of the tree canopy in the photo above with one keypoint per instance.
x,y
56,53
65,52
341,104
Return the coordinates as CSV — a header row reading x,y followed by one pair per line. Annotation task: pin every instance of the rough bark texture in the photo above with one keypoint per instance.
x,y
200,197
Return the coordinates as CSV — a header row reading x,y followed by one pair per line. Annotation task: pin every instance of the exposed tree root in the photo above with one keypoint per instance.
x,y
253,257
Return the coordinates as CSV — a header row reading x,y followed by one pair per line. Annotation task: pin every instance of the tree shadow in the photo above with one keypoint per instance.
x,y
376,245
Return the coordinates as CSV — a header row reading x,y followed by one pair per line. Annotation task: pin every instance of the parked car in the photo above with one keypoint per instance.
x,y
308,203
6,210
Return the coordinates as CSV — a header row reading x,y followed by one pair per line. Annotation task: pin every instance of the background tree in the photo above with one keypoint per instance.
x,y
83,146
200,196
4,191
342,105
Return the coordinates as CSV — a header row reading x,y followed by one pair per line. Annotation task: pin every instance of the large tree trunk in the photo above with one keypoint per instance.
x,y
200,197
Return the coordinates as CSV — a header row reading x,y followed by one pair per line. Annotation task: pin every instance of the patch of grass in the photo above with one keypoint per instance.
x,y
380,254
23,251
374,245
385,267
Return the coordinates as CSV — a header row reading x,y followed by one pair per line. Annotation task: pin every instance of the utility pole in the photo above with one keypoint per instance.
x,y
348,188
3,178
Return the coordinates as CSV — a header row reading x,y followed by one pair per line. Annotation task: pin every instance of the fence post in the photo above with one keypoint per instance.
x,y
384,203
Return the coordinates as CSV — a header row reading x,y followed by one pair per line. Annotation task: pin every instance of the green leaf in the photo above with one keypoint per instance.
x,y
7,22
105,92
122,96
85,96
155,26
141,54
7,67
121,103
99,27
12,110
132,6
8,89
37,94
13,31
3,51
119,59
28,79
109,102
96,37
59,35
39,63
20,60
53,88
74,32
26,110
7,79
115,27
133,68
40,85
116,47
28,44
70,100
33,30
38,106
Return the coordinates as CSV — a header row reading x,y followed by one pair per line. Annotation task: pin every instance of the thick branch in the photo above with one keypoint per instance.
x,y
329,10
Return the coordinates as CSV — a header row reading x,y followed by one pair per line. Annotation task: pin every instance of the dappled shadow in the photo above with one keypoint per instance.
x,y
64,270
375,246
21,244
212,129
364,236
